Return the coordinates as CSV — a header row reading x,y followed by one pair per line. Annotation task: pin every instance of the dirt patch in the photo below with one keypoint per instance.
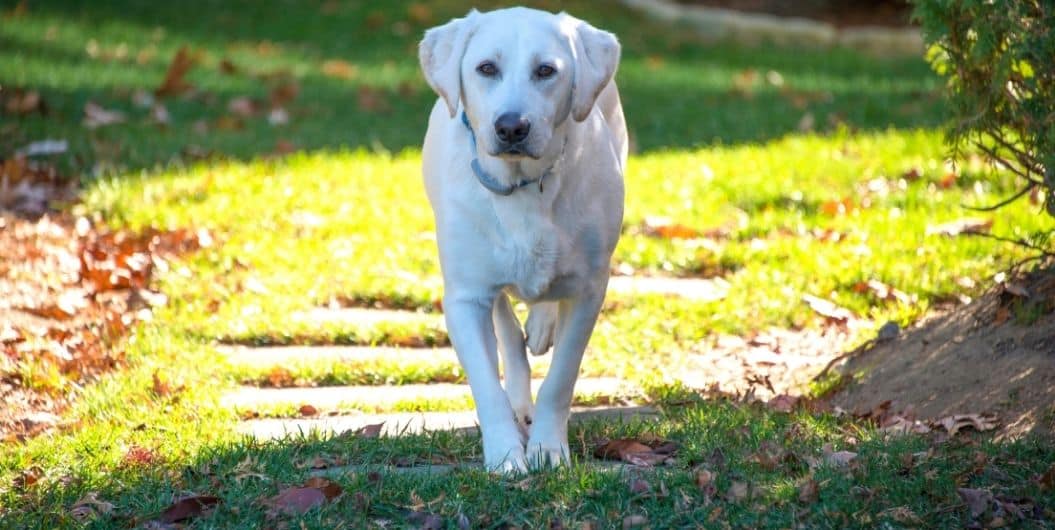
x,y
994,355
839,13
778,361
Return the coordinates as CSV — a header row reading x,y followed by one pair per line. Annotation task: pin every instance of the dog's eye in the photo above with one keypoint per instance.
x,y
545,71
487,69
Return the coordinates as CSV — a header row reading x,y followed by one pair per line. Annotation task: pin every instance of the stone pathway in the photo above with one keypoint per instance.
x,y
717,364
385,396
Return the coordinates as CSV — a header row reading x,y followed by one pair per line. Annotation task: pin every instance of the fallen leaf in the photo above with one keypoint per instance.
x,y
809,491
160,115
90,506
1047,480
372,99
228,67
1001,316
840,458
340,69
328,488
243,106
839,207
737,492
782,403
296,501
24,102
828,309
423,520
308,410
977,500
188,508
370,431
44,148
639,485
704,478
161,387
666,228
948,181
979,422
96,116
634,521
279,377
960,226
174,84
283,93
636,453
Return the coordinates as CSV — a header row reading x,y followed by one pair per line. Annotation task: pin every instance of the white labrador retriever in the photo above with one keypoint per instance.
x,y
523,164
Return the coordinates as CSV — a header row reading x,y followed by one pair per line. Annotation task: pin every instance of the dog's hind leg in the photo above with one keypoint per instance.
x,y
514,359
540,326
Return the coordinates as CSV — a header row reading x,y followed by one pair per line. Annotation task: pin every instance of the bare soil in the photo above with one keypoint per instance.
x,y
994,355
839,13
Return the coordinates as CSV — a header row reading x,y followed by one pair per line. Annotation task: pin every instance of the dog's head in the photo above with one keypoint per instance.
x,y
518,74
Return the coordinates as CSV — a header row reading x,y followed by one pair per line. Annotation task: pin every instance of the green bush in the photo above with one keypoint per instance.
x,y
999,59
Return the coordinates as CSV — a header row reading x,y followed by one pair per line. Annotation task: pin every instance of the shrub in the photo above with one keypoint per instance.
x,y
999,60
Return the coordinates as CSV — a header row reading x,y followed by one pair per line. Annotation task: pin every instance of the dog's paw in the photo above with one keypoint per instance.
x,y
505,453
541,456
541,321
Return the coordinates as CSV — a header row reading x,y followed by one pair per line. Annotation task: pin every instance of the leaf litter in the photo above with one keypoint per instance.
x,y
69,290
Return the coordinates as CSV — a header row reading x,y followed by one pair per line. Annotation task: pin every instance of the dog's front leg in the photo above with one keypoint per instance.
x,y
473,334
548,443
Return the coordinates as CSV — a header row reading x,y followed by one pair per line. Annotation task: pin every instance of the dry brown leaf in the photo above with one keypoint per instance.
x,y
961,226
737,492
835,208
161,387
308,410
957,422
174,83
90,506
328,488
24,102
783,403
296,501
839,458
283,93
666,228
370,431
828,309
96,116
340,69
372,99
1001,316
809,491
977,500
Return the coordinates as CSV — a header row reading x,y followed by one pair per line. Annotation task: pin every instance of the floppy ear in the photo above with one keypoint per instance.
x,y
440,53
596,58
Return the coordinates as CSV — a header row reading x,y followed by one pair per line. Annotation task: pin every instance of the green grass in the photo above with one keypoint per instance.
x,y
316,227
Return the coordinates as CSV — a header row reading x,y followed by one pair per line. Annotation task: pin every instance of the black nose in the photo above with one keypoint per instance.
x,y
512,127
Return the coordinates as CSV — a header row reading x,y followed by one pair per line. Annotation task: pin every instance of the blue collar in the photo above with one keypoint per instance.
x,y
488,181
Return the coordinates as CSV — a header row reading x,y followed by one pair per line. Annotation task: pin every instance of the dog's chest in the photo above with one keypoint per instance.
x,y
533,254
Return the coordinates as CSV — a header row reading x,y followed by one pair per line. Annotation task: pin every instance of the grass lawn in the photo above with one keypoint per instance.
x,y
777,212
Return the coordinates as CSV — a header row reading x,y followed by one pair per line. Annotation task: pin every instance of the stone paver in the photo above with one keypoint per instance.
x,y
702,289
699,289
380,397
369,317
287,355
413,422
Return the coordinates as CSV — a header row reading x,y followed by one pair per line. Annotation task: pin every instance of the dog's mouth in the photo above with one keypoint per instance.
x,y
516,151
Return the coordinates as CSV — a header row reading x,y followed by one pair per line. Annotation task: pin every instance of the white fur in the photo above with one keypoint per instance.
x,y
551,248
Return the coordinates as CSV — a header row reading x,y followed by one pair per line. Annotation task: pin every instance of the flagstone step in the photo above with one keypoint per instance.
x,y
397,424
386,396
366,317
701,289
267,356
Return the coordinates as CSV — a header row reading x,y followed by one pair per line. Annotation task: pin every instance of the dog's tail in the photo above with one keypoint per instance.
x,y
540,327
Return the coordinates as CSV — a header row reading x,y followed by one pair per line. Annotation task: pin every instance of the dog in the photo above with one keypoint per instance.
x,y
523,166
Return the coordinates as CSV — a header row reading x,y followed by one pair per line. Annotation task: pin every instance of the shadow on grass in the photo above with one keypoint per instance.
x,y
678,91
